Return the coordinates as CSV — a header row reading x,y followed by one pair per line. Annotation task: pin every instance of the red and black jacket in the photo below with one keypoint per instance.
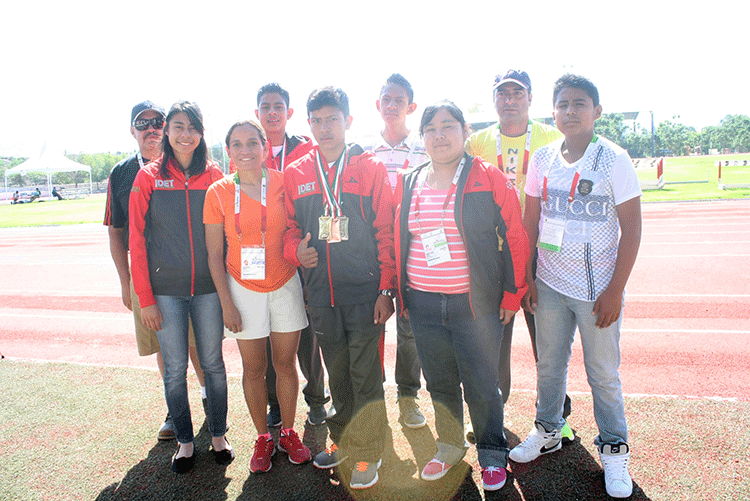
x,y
167,237
352,271
296,148
488,217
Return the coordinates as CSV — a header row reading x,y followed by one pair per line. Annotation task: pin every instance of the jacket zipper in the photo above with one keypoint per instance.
x,y
190,236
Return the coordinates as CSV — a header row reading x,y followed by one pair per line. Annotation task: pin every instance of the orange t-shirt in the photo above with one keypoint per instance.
x,y
219,208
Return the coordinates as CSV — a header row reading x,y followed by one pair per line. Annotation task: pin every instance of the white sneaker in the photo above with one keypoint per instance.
x,y
616,476
539,441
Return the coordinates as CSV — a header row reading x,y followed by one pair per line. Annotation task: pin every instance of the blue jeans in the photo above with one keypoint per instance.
x,y
556,318
455,348
205,312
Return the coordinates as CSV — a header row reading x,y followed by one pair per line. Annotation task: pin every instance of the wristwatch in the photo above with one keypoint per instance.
x,y
388,293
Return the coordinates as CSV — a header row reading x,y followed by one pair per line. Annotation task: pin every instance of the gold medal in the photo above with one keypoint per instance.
x,y
324,227
335,231
344,227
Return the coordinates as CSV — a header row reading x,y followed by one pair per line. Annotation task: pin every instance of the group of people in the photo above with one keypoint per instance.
x,y
303,248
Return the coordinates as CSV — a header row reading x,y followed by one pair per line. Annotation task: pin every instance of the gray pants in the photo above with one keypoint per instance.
x,y
408,369
504,365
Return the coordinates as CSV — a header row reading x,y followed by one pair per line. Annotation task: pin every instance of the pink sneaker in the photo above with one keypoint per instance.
x,y
493,478
264,451
435,469
290,443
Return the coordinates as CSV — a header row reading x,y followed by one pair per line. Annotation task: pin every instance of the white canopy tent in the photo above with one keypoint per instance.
x,y
49,163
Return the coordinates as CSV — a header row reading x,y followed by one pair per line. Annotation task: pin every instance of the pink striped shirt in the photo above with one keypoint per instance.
x,y
451,277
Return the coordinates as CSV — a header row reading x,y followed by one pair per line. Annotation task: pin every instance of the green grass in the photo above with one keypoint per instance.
x,y
702,168
88,432
54,212
91,209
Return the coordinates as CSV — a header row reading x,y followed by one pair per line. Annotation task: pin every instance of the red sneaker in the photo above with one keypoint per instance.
x,y
493,478
264,451
435,469
290,443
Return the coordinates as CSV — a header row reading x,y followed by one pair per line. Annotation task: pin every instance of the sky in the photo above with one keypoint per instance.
x,y
73,70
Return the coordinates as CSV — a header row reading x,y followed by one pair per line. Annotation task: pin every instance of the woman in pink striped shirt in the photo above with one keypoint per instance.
x,y
460,252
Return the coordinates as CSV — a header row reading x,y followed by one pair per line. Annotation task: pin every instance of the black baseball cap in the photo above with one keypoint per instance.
x,y
519,77
145,106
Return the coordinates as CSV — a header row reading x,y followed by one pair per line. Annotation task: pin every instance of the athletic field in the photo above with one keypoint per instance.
x,y
81,409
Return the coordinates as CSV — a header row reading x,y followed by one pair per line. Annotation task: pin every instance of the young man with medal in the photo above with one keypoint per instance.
x,y
340,214
583,213
273,112
509,144
401,149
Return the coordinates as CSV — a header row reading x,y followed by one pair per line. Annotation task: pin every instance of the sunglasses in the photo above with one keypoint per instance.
x,y
143,124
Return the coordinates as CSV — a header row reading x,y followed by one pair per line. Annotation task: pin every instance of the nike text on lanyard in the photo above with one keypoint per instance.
x,y
526,152
140,159
577,175
263,204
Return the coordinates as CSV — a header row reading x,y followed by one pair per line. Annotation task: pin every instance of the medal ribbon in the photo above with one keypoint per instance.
x,y
526,152
423,176
263,205
332,195
282,156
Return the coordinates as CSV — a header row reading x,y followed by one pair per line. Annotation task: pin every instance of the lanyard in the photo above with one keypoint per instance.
x,y
282,156
581,163
526,152
423,176
332,195
263,202
140,159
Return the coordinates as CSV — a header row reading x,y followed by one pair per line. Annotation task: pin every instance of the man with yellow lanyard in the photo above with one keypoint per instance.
x,y
508,145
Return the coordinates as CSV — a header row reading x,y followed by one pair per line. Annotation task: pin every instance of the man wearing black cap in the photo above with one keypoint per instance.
x,y
146,126
509,144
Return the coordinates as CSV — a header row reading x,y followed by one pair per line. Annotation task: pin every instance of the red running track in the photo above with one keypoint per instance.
x,y
687,315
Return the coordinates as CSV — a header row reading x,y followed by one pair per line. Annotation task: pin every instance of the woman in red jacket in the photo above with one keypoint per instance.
x,y
171,275
460,255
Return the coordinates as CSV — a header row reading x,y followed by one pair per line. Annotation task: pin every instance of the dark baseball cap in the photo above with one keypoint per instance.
x,y
519,77
145,106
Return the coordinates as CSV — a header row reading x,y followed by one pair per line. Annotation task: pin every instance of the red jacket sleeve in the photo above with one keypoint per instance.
x,y
517,243
382,205
293,234
398,195
140,198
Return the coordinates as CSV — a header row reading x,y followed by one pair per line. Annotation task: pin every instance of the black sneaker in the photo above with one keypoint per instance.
x,y
317,415
273,419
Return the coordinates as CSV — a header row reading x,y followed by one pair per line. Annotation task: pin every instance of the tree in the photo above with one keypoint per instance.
x,y
638,143
735,131
675,139
612,127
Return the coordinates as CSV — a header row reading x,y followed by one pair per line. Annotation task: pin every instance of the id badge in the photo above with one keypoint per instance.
x,y
344,227
551,237
324,227
435,245
253,262
335,236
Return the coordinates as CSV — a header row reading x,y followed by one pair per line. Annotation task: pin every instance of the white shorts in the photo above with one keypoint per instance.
x,y
282,310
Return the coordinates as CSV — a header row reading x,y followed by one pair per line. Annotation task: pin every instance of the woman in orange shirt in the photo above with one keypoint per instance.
x,y
260,292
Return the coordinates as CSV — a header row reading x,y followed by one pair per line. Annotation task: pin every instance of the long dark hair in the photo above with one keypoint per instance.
x,y
200,155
